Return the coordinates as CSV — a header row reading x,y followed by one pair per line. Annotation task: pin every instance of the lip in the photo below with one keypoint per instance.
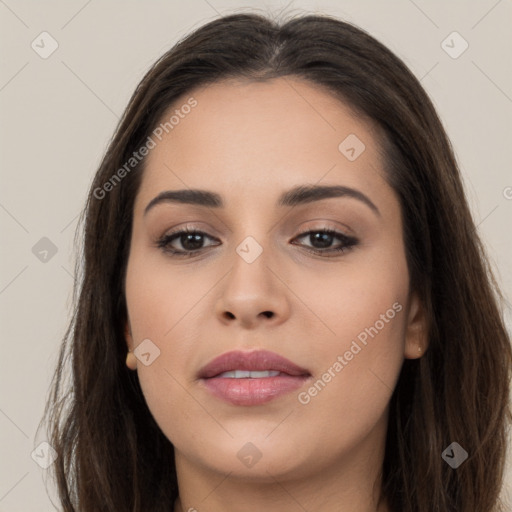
x,y
251,391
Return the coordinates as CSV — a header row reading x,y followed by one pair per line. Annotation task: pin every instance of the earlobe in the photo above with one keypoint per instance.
x,y
131,360
416,330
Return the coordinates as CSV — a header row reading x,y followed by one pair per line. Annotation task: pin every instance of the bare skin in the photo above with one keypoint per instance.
x,y
250,142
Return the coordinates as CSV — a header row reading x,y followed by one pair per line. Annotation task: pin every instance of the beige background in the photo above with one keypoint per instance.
x,y
58,114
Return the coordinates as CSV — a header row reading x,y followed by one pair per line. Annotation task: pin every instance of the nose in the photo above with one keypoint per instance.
x,y
253,294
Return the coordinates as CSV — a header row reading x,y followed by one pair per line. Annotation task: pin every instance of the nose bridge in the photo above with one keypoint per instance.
x,y
251,261
252,232
252,236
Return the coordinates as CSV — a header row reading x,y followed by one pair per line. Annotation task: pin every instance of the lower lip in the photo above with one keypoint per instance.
x,y
253,391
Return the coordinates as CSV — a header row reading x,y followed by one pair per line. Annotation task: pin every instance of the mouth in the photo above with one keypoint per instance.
x,y
251,378
247,374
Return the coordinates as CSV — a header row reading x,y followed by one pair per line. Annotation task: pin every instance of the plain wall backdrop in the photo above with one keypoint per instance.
x,y
58,111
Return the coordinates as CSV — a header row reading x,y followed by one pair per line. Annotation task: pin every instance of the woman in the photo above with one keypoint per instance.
x,y
284,302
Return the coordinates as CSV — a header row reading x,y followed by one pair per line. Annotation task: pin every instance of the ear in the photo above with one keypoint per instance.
x,y
128,335
416,330
131,360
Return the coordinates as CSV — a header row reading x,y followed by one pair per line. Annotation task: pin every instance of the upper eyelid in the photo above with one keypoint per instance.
x,y
193,230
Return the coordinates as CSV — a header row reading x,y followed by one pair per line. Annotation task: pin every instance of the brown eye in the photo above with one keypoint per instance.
x,y
322,239
191,242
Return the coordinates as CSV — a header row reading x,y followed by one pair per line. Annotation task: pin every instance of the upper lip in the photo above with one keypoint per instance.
x,y
257,360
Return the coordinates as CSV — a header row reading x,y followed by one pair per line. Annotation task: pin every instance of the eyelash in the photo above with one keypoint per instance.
x,y
347,242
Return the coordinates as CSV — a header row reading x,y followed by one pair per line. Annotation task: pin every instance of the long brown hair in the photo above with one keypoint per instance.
x,y
112,455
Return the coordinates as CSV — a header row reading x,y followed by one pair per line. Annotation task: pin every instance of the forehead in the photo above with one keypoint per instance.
x,y
249,140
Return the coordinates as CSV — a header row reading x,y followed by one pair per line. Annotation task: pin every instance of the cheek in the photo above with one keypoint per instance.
x,y
162,298
360,360
164,307
363,297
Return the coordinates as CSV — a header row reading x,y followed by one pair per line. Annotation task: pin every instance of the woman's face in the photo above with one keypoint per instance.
x,y
251,282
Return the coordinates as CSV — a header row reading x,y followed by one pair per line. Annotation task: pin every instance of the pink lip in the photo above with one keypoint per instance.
x,y
251,391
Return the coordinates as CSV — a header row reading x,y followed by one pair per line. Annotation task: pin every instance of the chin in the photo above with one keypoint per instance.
x,y
257,460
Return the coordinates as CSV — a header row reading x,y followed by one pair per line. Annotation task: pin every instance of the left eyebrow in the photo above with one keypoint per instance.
x,y
295,196
309,193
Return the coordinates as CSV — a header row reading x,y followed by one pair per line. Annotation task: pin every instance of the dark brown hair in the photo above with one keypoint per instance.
x,y
112,455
